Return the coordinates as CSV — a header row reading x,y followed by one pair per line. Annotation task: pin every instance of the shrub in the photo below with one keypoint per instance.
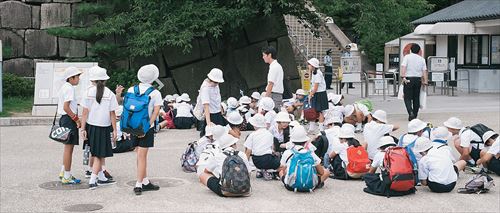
x,y
123,77
15,86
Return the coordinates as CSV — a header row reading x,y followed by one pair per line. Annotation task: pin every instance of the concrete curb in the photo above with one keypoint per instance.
x,y
26,121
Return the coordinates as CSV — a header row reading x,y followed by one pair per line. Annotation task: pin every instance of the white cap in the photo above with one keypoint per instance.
x,y
208,131
234,118
294,123
185,97
227,140
336,98
218,131
333,119
148,73
380,115
299,134
416,125
330,96
119,110
258,120
346,132
245,100
440,133
453,123
70,72
169,98
300,92
232,103
216,75
348,110
178,99
175,96
487,135
242,109
256,95
422,144
283,117
267,103
386,140
363,108
350,126
313,62
97,73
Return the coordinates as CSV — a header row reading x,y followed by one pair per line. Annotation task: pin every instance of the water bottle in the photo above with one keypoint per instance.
x,y
113,141
86,153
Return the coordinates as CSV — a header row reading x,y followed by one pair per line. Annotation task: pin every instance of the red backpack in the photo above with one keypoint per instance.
x,y
169,118
358,159
399,169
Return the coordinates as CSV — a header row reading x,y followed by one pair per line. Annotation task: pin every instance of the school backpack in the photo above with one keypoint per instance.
x,y
409,150
135,116
479,129
234,180
169,118
310,113
480,183
189,158
367,103
302,175
321,143
358,159
398,170
198,109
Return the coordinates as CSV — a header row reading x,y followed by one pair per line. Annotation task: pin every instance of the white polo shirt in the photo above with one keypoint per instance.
x,y
332,134
155,96
214,164
378,159
341,150
285,161
270,116
99,113
183,110
67,93
495,148
275,75
260,142
210,95
373,132
415,65
467,135
320,80
437,167
327,60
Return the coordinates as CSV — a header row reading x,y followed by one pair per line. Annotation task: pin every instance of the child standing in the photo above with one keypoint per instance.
x,y
67,108
99,104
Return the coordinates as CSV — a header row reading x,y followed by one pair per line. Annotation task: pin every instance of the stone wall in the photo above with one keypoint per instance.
x,y
22,31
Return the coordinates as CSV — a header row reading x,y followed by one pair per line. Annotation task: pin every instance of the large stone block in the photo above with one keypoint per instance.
x,y
55,15
251,66
19,66
35,17
81,20
14,14
70,48
175,56
169,87
286,57
13,42
266,28
40,44
189,78
157,60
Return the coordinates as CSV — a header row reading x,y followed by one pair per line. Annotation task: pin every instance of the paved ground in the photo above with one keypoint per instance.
x,y
28,158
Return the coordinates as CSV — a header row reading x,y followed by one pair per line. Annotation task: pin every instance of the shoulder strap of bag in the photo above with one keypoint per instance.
x,y
55,115
136,90
149,90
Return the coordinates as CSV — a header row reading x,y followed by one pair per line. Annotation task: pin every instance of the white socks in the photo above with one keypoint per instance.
x,y
101,176
67,174
93,178
138,184
62,168
145,181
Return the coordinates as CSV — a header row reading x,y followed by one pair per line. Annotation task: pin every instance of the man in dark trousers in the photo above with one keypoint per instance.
x,y
327,60
414,75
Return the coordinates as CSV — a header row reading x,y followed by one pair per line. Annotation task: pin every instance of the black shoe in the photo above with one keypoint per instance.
x,y
107,182
352,87
92,186
107,175
138,190
320,185
88,174
150,187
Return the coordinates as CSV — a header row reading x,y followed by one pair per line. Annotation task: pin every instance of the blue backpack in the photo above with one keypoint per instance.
x,y
135,116
302,175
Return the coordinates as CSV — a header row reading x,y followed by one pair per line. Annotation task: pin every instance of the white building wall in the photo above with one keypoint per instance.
x,y
442,45
481,80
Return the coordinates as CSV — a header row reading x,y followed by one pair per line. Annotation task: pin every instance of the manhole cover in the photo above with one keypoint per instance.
x,y
57,185
83,208
163,182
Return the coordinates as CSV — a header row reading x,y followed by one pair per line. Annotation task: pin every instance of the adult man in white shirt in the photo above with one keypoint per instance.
x,y
414,75
274,88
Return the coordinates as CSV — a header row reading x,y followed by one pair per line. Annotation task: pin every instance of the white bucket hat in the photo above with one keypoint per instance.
x,y
363,108
333,119
487,135
294,123
227,140
348,110
208,131
299,134
346,132
168,98
313,62
218,131
267,103
386,140
178,99
185,97
416,125
97,73
258,120
256,95
336,98
234,118
216,75
350,126
380,115
245,100
453,123
300,92
175,96
242,109
70,72
148,73
283,117
440,133
422,144
232,103
330,96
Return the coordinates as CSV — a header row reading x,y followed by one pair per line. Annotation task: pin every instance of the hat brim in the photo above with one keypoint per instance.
x,y
212,78
299,140
255,124
448,125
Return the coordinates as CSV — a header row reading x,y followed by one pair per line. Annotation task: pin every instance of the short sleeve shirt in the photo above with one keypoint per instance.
x,y
285,158
467,136
210,95
415,65
260,142
319,79
275,75
373,132
378,160
495,147
99,113
67,93
341,150
437,167
327,60
183,110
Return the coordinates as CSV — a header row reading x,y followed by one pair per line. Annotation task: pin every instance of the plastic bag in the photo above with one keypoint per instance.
x,y
401,92
423,98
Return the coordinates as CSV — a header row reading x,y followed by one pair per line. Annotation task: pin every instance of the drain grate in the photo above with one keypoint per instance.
x,y
57,185
83,208
163,182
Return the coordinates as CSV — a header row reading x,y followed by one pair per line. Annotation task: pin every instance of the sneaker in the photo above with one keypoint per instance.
x,y
137,190
320,185
61,175
150,187
107,175
92,186
71,180
88,174
258,174
267,175
359,129
472,169
106,182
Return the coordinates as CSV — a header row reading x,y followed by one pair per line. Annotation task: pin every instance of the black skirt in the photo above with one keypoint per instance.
x,y
184,122
66,121
99,139
320,101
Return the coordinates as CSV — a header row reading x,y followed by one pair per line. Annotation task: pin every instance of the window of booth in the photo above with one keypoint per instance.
x,y
477,50
495,49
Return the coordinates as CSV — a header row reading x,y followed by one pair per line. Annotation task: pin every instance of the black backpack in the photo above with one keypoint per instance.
x,y
321,143
479,129
234,180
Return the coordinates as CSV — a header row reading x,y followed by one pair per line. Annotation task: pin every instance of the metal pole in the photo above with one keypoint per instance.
x,y
1,71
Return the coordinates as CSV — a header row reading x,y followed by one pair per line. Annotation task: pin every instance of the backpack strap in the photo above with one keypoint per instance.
x,y
149,91
136,90
441,146
440,141
400,142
